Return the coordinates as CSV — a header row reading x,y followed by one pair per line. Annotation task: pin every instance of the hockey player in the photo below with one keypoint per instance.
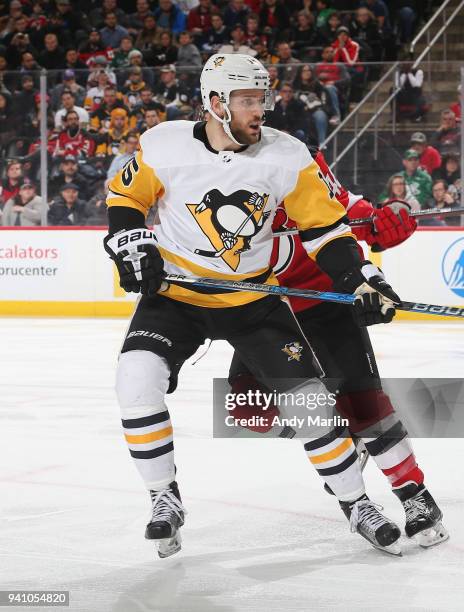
x,y
345,353
218,186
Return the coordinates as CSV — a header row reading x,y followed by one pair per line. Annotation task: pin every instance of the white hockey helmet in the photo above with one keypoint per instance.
x,y
227,72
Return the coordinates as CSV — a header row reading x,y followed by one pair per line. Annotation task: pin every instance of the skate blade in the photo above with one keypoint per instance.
x,y
169,546
393,550
433,536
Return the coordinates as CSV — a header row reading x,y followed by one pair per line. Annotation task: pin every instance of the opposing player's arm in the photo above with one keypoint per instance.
x,y
132,192
326,235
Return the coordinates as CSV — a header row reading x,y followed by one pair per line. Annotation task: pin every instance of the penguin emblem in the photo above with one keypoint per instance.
x,y
230,222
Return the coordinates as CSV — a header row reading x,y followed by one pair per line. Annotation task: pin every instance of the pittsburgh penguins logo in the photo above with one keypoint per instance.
x,y
230,222
294,351
218,61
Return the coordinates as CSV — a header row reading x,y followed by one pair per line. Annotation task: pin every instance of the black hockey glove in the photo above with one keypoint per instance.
x,y
138,260
376,300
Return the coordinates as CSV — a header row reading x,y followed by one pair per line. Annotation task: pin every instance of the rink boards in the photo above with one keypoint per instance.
x,y
65,272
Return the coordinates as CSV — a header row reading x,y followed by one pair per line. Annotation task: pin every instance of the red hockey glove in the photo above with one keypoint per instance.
x,y
392,225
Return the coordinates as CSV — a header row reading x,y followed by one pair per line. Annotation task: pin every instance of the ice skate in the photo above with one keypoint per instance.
x,y
423,516
365,519
166,519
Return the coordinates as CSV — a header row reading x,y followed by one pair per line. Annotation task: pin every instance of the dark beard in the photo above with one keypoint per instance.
x,y
243,138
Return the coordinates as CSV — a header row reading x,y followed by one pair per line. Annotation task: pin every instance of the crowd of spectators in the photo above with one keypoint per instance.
x,y
115,68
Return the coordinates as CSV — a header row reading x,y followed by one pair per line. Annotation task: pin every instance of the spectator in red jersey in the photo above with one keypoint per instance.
x,y
199,18
92,46
275,19
346,51
9,187
73,140
430,158
448,136
335,78
456,107
254,5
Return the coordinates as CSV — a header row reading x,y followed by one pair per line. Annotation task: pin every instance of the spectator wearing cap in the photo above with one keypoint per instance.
x,y
52,57
450,169
288,65
418,181
68,208
456,106
68,173
188,54
136,60
169,17
68,103
135,20
129,145
133,87
9,186
346,50
97,15
149,35
199,19
112,33
216,36
100,119
96,94
448,136
430,158
170,92
25,208
235,12
69,84
97,64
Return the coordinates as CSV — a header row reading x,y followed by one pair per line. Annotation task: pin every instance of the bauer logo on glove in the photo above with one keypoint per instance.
x,y
140,265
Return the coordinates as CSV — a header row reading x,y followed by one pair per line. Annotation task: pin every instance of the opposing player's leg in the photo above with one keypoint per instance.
x,y
345,352
160,337
277,353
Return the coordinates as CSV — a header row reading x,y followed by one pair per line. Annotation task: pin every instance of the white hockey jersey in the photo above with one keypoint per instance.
x,y
215,210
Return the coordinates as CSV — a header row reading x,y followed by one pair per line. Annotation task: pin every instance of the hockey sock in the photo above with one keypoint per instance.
x,y
373,419
335,458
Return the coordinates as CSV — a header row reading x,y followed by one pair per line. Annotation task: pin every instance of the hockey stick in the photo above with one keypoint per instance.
x,y
310,294
432,212
237,232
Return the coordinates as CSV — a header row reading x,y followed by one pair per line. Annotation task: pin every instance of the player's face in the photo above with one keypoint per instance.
x,y
247,110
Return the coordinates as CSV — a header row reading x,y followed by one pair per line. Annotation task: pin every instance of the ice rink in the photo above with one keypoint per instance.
x,y
261,534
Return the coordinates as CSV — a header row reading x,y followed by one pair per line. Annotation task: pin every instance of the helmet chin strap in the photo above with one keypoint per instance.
x,y
225,121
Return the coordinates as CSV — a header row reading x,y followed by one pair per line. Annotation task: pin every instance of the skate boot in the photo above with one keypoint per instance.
x,y
365,518
423,516
166,519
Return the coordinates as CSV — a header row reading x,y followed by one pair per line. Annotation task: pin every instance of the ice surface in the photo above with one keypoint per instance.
x,y
261,533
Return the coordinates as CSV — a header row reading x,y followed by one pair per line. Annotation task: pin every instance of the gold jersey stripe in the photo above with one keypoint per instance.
x,y
213,300
334,453
149,437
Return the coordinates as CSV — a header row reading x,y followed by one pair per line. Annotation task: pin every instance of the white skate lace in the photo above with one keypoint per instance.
x,y
164,503
367,512
414,508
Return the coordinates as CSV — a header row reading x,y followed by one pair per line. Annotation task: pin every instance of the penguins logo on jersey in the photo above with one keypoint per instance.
x,y
230,222
294,351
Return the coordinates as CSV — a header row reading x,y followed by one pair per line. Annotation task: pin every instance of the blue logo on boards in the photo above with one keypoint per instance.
x,y
452,267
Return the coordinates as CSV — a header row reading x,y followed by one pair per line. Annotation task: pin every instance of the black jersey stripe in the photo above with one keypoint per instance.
x,y
153,419
152,454
387,440
341,467
317,232
327,439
